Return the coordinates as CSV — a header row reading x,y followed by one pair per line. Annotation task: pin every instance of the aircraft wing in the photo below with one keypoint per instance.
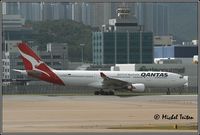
x,y
113,83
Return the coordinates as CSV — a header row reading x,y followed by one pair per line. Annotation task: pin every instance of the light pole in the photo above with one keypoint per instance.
x,y
82,46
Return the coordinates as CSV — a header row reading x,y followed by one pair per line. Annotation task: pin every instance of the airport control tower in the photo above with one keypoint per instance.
x,y
125,21
123,41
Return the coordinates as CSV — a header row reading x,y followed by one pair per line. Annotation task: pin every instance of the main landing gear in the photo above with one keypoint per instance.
x,y
102,92
168,92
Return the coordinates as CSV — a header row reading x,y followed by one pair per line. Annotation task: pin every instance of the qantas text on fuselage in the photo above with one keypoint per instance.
x,y
154,74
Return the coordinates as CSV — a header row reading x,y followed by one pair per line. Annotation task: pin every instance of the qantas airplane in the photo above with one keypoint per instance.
x,y
134,81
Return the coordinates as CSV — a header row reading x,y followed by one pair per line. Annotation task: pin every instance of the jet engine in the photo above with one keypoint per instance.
x,y
137,87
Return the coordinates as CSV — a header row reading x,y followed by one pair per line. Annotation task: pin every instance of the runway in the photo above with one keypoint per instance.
x,y
95,114
113,133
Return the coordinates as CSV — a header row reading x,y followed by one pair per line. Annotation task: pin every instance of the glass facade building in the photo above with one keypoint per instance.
x,y
122,47
175,51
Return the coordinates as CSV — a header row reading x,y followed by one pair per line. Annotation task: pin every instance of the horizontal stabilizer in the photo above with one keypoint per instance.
x,y
20,71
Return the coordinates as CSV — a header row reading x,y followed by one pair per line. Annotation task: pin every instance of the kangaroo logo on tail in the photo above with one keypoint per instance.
x,y
34,63
35,67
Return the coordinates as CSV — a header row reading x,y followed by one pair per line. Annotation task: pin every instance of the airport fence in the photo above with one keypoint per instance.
x,y
44,89
62,90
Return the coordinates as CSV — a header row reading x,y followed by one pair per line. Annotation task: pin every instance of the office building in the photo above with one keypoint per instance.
x,y
12,8
123,41
14,28
175,51
154,17
55,55
6,66
13,22
122,47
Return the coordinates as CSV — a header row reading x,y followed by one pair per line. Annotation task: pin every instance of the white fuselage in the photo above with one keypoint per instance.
x,y
149,79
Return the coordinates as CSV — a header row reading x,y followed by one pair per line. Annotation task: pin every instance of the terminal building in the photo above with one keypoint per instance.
x,y
123,41
175,51
14,28
55,55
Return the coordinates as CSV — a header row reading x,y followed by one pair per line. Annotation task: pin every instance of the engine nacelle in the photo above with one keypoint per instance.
x,y
137,87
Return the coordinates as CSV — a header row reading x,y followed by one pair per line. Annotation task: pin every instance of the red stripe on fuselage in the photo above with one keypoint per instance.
x,y
53,78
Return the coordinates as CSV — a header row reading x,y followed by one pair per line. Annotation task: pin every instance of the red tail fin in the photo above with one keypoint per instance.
x,y
29,58
35,67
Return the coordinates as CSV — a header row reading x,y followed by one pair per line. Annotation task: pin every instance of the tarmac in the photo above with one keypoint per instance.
x,y
96,114
105,133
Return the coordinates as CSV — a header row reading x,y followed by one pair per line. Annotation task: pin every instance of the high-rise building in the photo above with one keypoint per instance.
x,y
69,11
31,11
97,14
57,11
154,17
47,9
63,12
86,13
12,8
77,12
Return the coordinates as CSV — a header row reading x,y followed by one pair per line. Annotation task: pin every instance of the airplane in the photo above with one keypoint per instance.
x,y
133,81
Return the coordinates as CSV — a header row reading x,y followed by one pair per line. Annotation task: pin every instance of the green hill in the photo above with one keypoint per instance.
x,y
64,31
